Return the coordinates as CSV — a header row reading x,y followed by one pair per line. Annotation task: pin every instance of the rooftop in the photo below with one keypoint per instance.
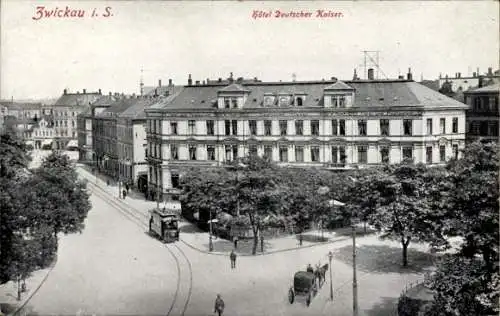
x,y
77,99
487,89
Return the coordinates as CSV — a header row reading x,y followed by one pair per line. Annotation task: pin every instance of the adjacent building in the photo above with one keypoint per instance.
x,y
328,124
483,116
65,111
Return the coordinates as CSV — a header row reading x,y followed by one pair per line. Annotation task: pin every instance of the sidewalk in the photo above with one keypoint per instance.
x,y
198,240
9,305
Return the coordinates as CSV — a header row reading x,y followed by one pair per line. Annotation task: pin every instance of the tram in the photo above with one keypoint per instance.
x,y
164,224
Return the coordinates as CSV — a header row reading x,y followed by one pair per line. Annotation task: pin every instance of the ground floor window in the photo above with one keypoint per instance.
x,y
428,154
362,154
315,154
442,153
407,153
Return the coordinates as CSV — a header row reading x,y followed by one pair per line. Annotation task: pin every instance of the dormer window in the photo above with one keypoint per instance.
x,y
284,100
299,101
338,101
268,100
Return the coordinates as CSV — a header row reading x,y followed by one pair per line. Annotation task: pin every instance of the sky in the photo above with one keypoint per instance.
x,y
40,57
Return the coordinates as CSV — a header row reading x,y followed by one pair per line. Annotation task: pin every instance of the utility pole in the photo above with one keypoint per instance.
x,y
354,278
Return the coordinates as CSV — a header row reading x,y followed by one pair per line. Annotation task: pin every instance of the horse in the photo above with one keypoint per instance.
x,y
320,273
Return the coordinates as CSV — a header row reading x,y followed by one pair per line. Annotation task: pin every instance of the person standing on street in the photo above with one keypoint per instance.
x,y
232,256
235,240
219,305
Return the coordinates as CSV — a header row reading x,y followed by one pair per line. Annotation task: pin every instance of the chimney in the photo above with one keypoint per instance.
x,y
190,81
197,82
490,71
204,82
159,82
474,74
100,91
355,75
401,77
459,75
65,91
208,81
480,83
410,76
84,91
255,79
109,93
170,82
220,80
370,74
77,92
231,78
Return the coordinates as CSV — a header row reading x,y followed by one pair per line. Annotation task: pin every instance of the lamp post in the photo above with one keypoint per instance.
x,y
354,278
210,243
330,256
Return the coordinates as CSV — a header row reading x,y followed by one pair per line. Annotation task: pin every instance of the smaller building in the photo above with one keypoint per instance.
x,y
43,133
483,116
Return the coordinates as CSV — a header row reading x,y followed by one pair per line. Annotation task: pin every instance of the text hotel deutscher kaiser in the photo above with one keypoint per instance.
x,y
277,14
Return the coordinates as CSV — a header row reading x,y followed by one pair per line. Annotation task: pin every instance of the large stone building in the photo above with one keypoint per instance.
x,y
65,111
329,124
483,116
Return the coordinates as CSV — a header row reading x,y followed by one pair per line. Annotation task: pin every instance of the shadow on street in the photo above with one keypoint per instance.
x,y
388,307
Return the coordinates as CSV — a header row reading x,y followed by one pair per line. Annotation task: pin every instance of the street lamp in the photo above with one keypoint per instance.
x,y
354,278
210,243
330,256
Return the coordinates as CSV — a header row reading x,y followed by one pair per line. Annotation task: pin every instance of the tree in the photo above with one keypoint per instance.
x,y
403,211
58,196
467,282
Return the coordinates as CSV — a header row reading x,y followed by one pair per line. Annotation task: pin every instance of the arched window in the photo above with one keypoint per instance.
x,y
299,101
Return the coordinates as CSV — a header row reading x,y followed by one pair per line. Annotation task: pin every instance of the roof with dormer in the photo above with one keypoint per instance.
x,y
487,89
367,93
234,87
77,99
339,85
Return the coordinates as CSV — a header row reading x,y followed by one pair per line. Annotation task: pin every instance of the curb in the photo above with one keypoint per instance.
x,y
242,255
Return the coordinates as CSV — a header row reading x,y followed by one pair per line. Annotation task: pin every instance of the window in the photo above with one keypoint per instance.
x,y
455,151
407,127
362,154
493,128
173,128
234,125
408,153
192,152
268,101
175,181
267,128
315,153
284,100
334,127
253,127
384,154
442,125
429,126
299,101
268,152
210,152
174,155
235,152
442,153
299,127
228,152
428,154
283,128
73,123
362,127
227,124
454,125
283,154
57,123
299,153
192,127
338,101
315,127
234,102
210,127
335,153
342,127
384,127
227,103
65,123
253,150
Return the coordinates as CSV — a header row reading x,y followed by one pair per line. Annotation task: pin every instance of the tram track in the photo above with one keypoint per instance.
x,y
183,291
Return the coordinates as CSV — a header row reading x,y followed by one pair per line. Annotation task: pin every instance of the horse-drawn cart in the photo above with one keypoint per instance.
x,y
304,285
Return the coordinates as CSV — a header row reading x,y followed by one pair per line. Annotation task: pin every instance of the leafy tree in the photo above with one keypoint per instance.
x,y
60,198
403,211
467,283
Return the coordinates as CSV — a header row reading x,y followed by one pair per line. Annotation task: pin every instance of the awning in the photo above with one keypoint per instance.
x,y
72,143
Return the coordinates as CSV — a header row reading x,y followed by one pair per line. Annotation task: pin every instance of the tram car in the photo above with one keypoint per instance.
x,y
164,224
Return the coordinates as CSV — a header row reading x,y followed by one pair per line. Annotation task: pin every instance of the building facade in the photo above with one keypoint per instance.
x,y
43,133
65,111
483,116
327,124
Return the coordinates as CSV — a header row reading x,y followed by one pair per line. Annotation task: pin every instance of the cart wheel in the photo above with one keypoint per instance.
x,y
308,301
291,296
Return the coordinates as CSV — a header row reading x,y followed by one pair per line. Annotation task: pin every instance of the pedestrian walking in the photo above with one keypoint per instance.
x,y
127,187
232,256
107,182
219,305
301,238
261,243
235,240
124,192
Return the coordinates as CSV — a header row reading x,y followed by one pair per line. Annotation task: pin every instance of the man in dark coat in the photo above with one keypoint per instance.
x,y
232,256
219,305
